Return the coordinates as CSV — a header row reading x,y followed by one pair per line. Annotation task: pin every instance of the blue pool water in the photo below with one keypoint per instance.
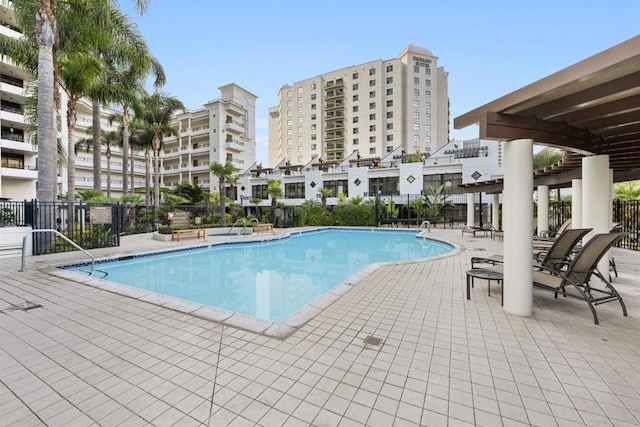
x,y
269,280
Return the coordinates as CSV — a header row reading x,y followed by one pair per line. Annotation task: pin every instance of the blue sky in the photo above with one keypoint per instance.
x,y
489,47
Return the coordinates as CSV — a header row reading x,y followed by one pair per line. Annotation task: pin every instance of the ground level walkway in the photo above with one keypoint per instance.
x,y
84,357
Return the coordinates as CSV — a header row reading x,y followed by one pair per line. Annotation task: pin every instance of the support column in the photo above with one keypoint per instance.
x,y
517,215
543,208
495,211
470,210
576,203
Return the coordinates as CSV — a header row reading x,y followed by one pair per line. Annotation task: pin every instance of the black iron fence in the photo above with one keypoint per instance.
x,y
446,210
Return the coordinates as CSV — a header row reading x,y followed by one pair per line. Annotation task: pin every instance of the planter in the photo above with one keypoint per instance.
x,y
162,237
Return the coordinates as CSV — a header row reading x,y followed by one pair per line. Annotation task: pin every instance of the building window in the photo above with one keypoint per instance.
x,y
389,114
372,150
372,128
355,86
427,128
416,104
427,105
416,69
389,80
300,149
300,140
416,148
386,185
356,119
294,190
389,68
299,90
416,92
416,126
299,110
355,131
427,93
389,148
288,94
427,116
313,147
390,103
416,115
372,83
356,108
300,119
372,116
427,83
288,103
356,97
289,141
372,139
299,129
416,139
313,126
356,141
372,105
289,151
389,126
289,122
427,71
372,94
313,137
427,139
451,181
354,76
416,80
372,72
313,96
389,92
289,113
299,100
313,117
389,137
313,86
289,132
259,192
313,106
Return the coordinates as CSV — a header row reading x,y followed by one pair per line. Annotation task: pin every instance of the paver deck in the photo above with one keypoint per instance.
x,y
84,356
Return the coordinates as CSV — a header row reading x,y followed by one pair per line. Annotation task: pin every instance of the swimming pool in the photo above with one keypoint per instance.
x,y
268,280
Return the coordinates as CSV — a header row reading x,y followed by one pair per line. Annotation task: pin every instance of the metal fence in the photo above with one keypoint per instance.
x,y
413,209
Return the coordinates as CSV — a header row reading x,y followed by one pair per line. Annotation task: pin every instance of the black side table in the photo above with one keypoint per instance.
x,y
483,273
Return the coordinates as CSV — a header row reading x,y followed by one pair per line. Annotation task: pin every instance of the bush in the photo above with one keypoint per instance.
x,y
313,213
355,215
164,229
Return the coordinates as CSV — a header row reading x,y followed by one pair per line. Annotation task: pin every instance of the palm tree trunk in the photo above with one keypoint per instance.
x,y
147,178
71,155
125,150
223,203
132,170
97,144
156,172
108,173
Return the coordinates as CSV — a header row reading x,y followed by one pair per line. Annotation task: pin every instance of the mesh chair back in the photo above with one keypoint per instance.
x,y
563,246
586,261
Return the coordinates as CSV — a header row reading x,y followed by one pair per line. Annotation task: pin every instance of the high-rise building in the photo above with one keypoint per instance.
x,y
223,131
371,108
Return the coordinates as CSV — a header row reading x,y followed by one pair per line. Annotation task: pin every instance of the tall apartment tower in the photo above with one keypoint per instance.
x,y
18,174
371,108
223,131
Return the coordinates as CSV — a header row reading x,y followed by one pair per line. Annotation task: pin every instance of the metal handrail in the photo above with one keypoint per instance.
x,y
65,238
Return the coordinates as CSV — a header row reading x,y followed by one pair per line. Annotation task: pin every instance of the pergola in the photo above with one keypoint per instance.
x,y
591,110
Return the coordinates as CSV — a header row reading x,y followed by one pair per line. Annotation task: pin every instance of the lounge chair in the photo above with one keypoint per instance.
x,y
578,273
550,235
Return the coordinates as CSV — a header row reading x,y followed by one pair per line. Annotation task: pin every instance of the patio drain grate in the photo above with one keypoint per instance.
x,y
374,343
27,305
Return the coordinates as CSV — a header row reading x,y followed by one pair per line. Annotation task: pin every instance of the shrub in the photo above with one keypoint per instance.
x,y
313,213
164,229
355,215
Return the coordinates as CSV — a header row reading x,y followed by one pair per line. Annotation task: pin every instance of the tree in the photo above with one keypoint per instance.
x,y
256,202
274,190
193,193
324,193
627,191
436,200
158,109
547,157
225,174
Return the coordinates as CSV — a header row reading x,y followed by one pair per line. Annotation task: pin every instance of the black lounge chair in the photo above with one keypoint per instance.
x,y
578,273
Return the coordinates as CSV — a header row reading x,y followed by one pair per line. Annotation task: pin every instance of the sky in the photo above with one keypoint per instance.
x,y
488,47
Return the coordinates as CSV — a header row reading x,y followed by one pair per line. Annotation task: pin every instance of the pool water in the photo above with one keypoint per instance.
x,y
269,280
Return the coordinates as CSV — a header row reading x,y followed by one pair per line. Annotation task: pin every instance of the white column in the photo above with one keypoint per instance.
x,y
517,222
576,203
543,208
470,210
495,211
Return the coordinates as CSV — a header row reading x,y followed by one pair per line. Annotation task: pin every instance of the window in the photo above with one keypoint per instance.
x,y
372,116
336,186
313,147
416,126
451,181
356,97
313,106
294,190
299,100
289,151
372,83
300,139
354,76
356,141
313,96
299,129
300,149
427,71
385,185
313,137
416,92
389,114
389,92
299,90
289,113
313,126
372,94
416,104
416,80
389,80
416,148
416,115
372,105
416,69
389,148
299,110
288,103
372,139
289,132
259,192
427,128
300,119
356,119
389,137
427,93
355,86
416,139
355,131
389,68
356,108
427,105
289,122
427,83
288,141
372,128
389,126
372,150
427,116
390,103
289,94
427,139
313,117
372,72
313,86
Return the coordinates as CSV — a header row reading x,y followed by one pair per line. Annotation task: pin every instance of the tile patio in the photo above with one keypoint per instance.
x,y
89,357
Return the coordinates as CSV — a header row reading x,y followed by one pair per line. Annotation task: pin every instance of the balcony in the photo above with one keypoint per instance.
x,y
333,94
234,126
19,172
335,125
200,148
234,145
334,104
333,84
334,135
332,115
235,108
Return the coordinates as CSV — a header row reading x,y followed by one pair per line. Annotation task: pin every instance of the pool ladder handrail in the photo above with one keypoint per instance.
x,y
244,224
51,230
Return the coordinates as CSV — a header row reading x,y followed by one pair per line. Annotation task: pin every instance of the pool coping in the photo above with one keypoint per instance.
x,y
281,329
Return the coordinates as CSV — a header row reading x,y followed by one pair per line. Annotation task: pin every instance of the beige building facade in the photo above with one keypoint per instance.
x,y
371,108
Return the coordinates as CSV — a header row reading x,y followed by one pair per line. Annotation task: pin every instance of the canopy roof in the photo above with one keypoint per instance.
x,y
589,108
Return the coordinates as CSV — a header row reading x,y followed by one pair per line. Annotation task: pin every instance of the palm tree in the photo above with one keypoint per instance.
x,y
141,140
256,202
547,157
225,173
626,191
158,109
324,193
274,190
